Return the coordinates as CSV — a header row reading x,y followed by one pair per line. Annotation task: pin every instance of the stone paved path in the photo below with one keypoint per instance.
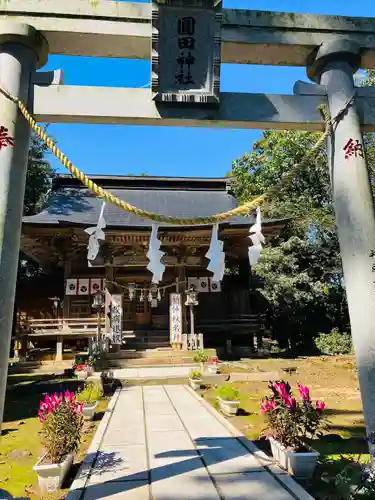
x,y
162,443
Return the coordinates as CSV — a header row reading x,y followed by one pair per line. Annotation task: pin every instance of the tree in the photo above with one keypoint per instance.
x,y
302,279
38,182
39,175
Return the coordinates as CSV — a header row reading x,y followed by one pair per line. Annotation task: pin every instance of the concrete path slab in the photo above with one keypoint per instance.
x,y
164,443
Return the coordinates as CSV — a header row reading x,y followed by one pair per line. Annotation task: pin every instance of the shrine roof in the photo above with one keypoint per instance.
x,y
72,204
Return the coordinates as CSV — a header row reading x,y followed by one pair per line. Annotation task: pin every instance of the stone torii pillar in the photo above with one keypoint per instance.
x,y
333,67
22,50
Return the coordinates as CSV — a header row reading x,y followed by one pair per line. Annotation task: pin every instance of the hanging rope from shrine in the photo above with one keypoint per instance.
x,y
107,196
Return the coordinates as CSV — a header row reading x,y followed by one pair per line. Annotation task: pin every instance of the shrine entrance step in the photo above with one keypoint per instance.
x,y
150,357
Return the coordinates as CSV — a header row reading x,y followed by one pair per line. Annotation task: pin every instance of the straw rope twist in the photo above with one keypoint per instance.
x,y
107,196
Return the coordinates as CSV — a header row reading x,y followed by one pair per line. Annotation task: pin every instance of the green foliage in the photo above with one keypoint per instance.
x,y
200,357
227,392
61,432
195,375
300,271
91,360
39,175
355,481
334,343
90,393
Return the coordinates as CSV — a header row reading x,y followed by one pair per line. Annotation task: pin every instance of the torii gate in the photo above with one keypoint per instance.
x,y
331,47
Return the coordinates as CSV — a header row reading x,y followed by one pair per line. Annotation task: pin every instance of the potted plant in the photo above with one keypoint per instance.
x,y
201,358
292,423
61,419
89,397
228,397
195,379
213,365
81,371
91,360
107,378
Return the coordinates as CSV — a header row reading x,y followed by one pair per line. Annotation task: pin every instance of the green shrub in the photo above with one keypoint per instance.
x,y
200,357
334,343
195,375
91,393
228,392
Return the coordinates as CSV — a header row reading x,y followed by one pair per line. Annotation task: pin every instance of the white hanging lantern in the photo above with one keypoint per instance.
x,y
149,296
158,296
141,297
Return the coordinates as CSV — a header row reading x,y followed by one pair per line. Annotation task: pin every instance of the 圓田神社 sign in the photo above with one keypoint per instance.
x,y
186,51
175,318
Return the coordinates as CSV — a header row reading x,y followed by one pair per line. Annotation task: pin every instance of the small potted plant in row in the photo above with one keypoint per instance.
x,y
195,379
213,365
84,369
61,419
228,397
81,371
89,397
201,358
107,378
291,424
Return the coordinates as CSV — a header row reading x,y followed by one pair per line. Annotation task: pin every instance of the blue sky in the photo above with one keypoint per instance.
x,y
169,151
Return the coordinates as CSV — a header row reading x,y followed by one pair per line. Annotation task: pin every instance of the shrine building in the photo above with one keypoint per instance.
x,y
55,313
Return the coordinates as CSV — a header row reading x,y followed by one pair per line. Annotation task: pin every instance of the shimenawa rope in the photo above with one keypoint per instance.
x,y
144,214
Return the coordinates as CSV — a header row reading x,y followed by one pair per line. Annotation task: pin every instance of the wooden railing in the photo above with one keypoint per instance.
x,y
59,325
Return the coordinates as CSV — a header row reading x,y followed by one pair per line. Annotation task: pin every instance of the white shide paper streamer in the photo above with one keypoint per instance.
x,y
154,255
96,233
257,239
216,255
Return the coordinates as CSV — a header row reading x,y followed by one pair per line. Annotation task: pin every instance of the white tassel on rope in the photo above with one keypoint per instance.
x,y
257,239
154,255
96,233
216,255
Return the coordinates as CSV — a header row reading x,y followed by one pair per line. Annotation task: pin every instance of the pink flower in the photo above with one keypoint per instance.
x,y
69,396
320,405
304,391
281,389
267,406
290,403
51,403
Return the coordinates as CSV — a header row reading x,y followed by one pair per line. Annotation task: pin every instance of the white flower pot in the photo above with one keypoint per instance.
x,y
88,410
279,453
229,408
82,374
299,465
212,369
302,465
195,383
51,476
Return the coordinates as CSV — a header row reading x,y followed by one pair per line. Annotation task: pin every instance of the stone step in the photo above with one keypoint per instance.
x,y
149,362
